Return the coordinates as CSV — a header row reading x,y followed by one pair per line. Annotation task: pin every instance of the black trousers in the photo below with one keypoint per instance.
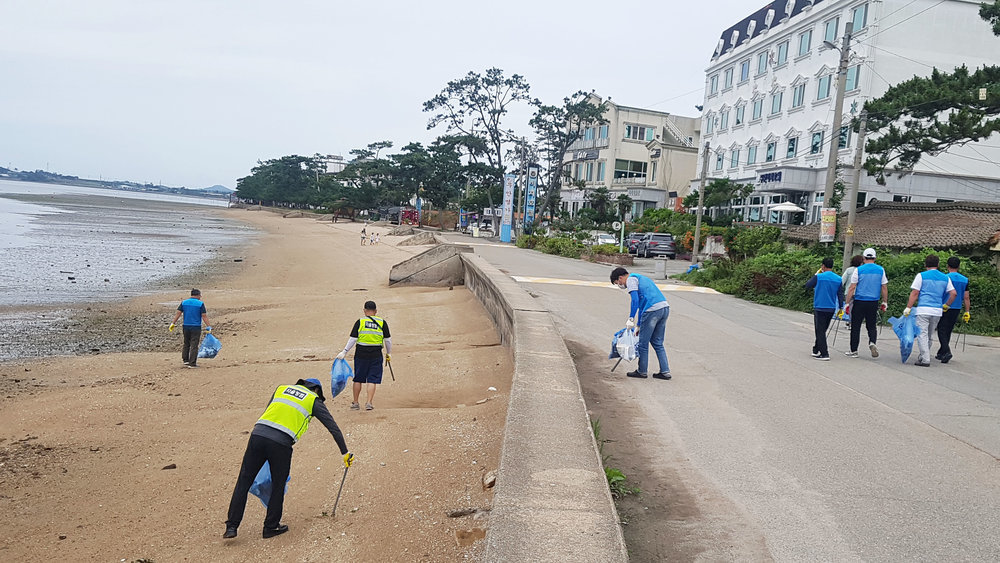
x,y
945,326
279,456
868,312
821,321
192,338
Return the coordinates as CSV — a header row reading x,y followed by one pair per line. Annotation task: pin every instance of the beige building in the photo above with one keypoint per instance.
x,y
649,155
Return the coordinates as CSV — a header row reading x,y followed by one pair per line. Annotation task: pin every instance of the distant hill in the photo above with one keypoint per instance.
x,y
217,189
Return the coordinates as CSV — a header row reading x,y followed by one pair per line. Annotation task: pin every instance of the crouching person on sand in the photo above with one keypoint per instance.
x,y
283,423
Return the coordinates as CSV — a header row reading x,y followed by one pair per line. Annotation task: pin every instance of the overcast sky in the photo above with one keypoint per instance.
x,y
194,92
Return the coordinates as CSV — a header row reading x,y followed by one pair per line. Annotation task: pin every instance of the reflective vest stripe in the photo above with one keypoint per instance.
x,y
292,404
277,426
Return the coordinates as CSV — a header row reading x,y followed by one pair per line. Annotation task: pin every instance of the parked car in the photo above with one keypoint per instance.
x,y
657,244
632,241
605,238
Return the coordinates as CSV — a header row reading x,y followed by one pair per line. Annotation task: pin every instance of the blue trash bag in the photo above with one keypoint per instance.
x,y
692,268
261,487
340,372
907,330
210,347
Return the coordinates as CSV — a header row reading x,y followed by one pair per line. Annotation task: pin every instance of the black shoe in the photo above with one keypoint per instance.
x,y
661,375
637,374
945,358
271,532
938,357
923,365
230,532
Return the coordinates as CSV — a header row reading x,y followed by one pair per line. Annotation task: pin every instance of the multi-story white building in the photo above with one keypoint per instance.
x,y
649,155
771,87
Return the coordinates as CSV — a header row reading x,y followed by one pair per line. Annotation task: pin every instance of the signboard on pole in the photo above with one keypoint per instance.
x,y
508,207
529,196
828,224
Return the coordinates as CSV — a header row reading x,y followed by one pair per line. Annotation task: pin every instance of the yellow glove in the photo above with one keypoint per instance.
x,y
840,314
388,359
170,328
945,307
348,459
966,317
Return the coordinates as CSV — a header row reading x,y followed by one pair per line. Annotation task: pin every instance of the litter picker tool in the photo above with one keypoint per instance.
x,y
835,328
616,363
388,363
342,479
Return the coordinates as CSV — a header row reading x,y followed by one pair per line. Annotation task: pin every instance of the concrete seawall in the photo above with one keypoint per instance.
x,y
552,501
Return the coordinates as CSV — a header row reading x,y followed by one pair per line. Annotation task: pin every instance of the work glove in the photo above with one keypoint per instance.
x,y
840,313
966,317
341,355
388,359
883,306
847,309
630,323
819,271
171,327
945,307
208,329
906,312
348,459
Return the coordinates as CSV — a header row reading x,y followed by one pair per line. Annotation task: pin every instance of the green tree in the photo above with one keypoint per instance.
x,y
928,115
290,180
719,193
368,177
624,204
600,201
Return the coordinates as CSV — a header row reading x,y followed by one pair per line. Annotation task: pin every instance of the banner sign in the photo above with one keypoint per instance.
x,y
508,207
828,224
529,196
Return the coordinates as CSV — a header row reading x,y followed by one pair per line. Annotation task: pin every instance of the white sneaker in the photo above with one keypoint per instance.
x,y
873,349
851,354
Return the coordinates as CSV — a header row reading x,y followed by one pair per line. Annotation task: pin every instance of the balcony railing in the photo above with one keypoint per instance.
x,y
581,144
623,180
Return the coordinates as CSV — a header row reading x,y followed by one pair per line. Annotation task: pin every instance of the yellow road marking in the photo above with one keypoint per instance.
x,y
663,287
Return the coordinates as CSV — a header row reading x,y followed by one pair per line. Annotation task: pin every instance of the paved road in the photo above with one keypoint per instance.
x,y
847,460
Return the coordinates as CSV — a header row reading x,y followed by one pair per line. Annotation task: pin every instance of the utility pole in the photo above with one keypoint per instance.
x,y
838,111
852,199
701,204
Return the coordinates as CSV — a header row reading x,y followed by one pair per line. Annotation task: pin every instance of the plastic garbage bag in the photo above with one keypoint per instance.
x,y
261,487
907,330
210,347
623,345
340,372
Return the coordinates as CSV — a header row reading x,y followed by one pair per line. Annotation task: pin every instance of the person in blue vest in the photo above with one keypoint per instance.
x,y
283,423
649,309
827,301
950,316
867,282
370,333
933,292
194,312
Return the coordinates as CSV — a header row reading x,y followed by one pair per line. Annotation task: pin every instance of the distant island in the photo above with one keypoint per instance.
x,y
40,176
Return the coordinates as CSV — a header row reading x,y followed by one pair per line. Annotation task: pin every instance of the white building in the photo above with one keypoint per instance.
x,y
334,163
649,155
771,85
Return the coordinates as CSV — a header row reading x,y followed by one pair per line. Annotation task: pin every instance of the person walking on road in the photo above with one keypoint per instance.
x,y
935,293
845,279
827,301
194,312
370,333
867,282
364,236
649,309
283,423
950,316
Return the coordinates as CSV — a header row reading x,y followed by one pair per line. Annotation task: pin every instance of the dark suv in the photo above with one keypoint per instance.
x,y
632,242
657,244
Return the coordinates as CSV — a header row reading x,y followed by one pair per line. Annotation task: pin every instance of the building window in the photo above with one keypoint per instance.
x,y
719,161
739,114
805,42
727,79
798,95
859,16
713,85
853,74
772,147
776,103
823,87
709,124
793,144
758,108
652,172
724,120
638,132
734,159
845,137
745,70
600,171
817,143
603,132
751,154
830,29
588,134
590,171
579,172
762,62
782,54
630,169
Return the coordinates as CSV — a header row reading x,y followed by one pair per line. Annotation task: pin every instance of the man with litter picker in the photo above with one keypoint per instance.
x,y
827,300
283,423
370,333
867,282
649,309
936,294
950,316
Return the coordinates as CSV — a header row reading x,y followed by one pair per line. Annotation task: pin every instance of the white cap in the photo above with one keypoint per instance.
x,y
869,253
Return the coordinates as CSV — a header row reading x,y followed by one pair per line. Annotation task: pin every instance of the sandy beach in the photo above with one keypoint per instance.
x,y
85,440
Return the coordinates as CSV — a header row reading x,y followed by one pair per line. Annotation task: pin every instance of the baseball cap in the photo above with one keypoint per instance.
x,y
869,253
314,384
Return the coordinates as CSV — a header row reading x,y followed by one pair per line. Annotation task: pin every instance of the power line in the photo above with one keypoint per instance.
x,y
901,56
676,97
881,31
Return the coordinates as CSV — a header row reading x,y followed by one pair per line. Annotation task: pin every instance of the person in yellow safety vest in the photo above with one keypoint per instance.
x,y
283,423
370,333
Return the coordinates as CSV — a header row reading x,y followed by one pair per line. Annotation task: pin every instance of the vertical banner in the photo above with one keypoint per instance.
x,y
508,207
529,196
828,224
